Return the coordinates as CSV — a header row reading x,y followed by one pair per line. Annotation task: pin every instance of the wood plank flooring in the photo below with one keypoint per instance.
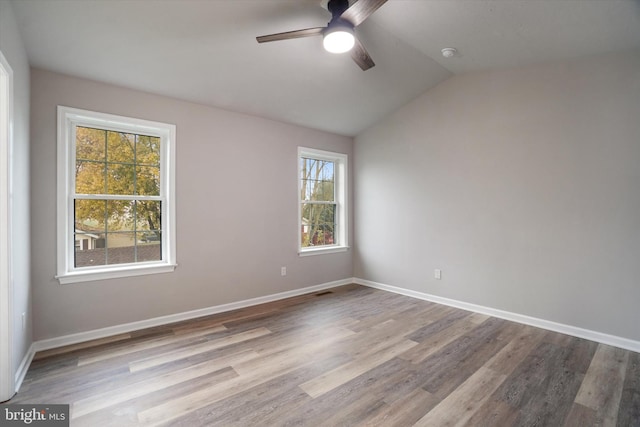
x,y
353,356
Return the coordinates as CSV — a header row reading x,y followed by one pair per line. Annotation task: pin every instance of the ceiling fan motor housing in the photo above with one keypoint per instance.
x,y
337,7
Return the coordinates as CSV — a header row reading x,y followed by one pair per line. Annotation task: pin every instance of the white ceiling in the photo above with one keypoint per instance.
x,y
205,51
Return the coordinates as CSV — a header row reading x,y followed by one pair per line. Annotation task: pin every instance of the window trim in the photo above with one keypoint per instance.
x,y
341,199
68,119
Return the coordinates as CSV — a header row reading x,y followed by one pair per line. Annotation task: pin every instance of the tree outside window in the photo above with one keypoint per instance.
x,y
125,165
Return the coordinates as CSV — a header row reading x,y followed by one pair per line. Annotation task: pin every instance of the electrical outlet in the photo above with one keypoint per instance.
x,y
283,271
437,273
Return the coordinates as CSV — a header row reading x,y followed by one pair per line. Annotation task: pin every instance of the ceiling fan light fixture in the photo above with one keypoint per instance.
x,y
338,39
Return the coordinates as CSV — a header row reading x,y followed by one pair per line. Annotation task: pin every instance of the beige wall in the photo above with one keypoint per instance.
x,y
236,211
522,185
14,52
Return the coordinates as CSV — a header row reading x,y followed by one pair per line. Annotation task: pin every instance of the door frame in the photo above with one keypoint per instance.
x,y
7,371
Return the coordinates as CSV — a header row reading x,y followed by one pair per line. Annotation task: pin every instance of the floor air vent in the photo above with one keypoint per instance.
x,y
324,293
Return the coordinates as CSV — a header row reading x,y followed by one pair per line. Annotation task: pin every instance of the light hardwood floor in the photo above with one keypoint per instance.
x,y
352,356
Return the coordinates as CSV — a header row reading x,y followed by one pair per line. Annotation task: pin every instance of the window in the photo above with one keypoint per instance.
x,y
322,217
116,212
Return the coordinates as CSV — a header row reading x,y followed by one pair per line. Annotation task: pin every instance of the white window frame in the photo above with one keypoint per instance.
x,y
68,120
341,196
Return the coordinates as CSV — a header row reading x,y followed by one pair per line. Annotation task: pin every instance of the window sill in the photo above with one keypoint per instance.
x,y
103,274
322,250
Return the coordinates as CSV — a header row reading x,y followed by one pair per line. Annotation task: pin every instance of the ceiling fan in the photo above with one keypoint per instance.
x,y
338,35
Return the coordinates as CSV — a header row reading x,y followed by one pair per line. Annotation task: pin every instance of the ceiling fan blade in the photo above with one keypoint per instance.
x,y
309,32
361,57
361,10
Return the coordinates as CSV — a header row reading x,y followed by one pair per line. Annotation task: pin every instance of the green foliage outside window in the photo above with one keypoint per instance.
x,y
126,166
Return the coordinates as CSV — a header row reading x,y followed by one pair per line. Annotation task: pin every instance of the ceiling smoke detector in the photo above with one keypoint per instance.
x,y
449,52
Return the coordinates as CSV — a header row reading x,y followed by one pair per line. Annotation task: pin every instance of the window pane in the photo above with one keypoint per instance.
x,y
327,171
120,147
130,247
324,191
121,247
88,251
90,215
148,180
89,228
149,228
150,251
117,232
148,150
318,224
121,215
90,177
148,216
90,144
120,239
120,178
317,180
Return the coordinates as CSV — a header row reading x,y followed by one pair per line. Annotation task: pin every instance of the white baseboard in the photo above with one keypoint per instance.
x,y
24,366
51,343
600,337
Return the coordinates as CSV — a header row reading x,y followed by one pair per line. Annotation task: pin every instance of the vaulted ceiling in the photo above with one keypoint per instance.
x,y
205,51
